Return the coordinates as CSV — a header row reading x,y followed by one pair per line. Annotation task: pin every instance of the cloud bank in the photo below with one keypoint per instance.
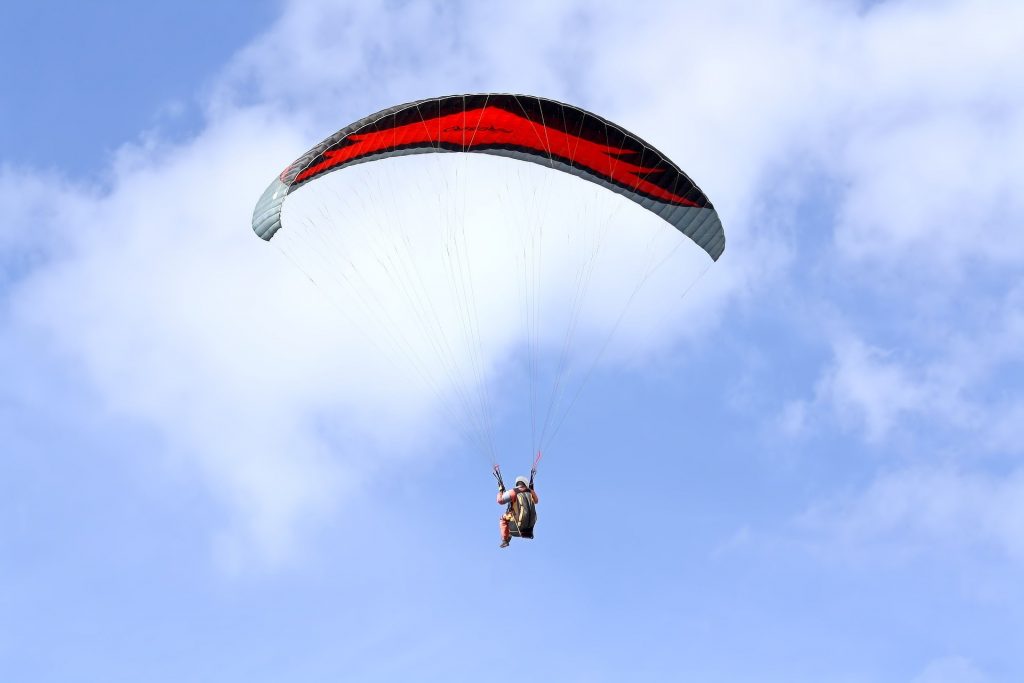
x,y
897,122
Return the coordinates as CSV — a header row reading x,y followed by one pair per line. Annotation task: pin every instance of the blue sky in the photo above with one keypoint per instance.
x,y
817,456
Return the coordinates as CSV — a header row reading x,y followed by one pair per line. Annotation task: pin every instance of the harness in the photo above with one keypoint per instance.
x,y
522,512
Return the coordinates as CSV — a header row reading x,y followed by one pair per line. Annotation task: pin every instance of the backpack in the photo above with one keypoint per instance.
x,y
524,512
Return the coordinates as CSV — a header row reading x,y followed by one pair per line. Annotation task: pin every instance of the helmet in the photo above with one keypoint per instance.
x,y
524,481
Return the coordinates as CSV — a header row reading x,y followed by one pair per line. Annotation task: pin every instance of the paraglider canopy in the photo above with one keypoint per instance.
x,y
520,126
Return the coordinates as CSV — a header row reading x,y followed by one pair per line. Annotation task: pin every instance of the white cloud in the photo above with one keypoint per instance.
x,y
938,189
864,384
951,670
930,139
186,321
930,510
959,381
157,295
31,231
